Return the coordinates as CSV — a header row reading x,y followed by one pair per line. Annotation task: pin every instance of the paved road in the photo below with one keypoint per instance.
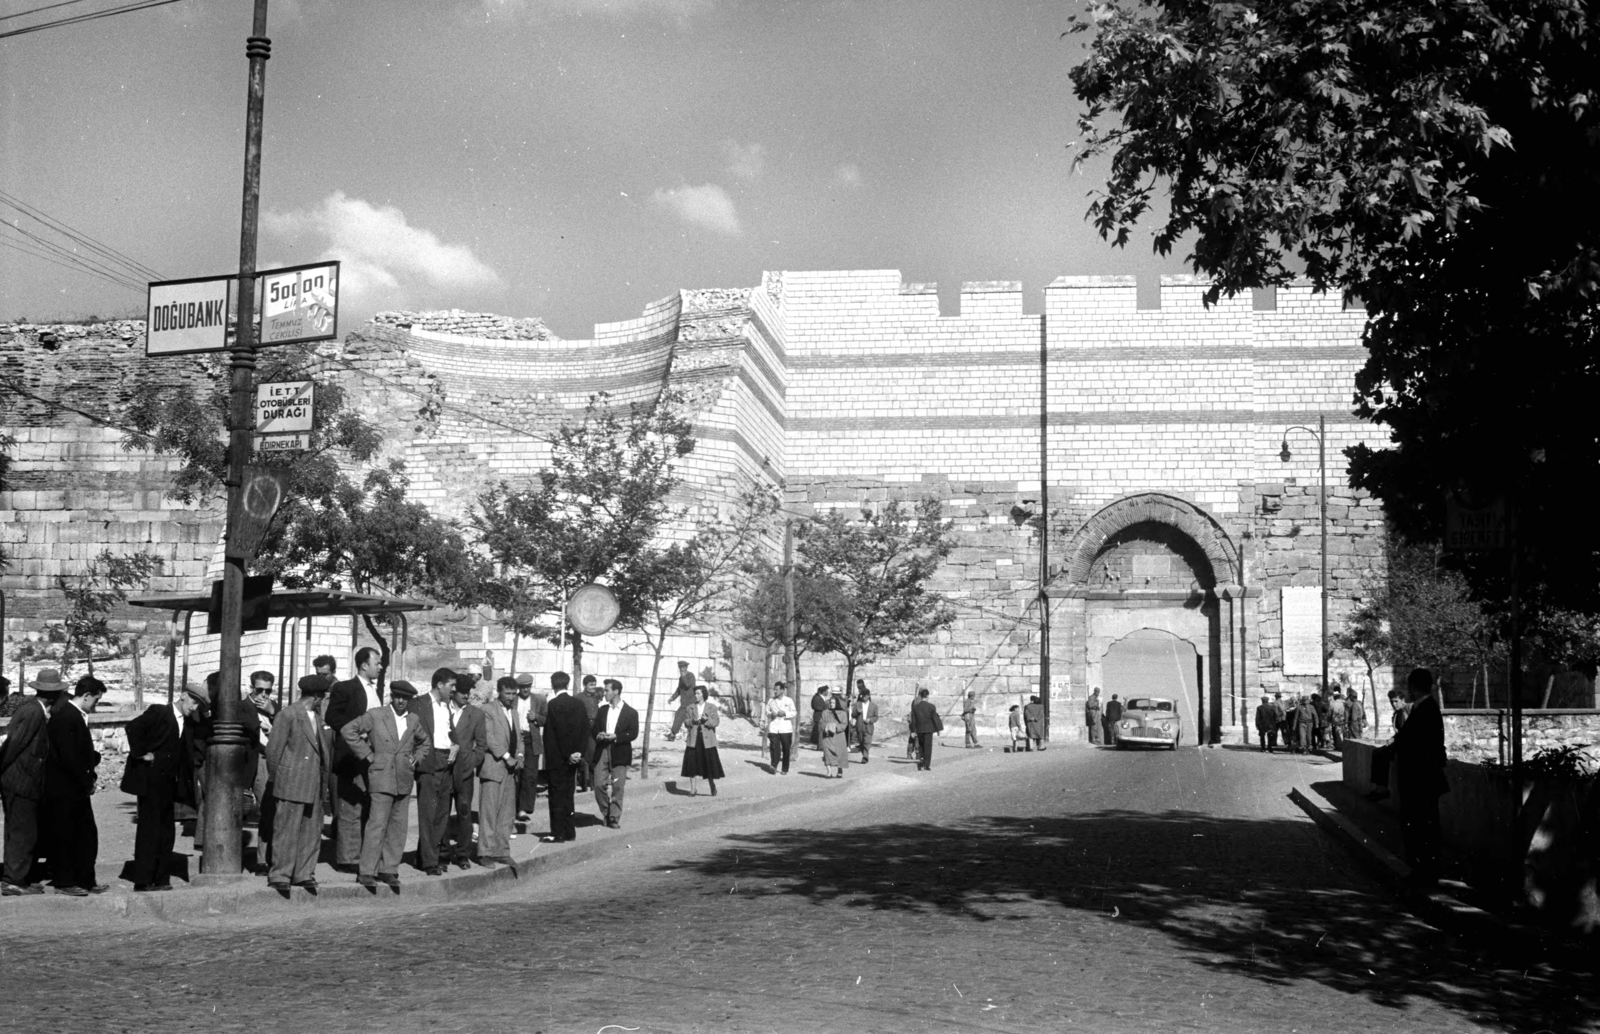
x,y
1067,890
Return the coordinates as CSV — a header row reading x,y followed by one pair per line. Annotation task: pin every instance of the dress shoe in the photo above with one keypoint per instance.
x,y
99,888
437,870
281,886
15,890
550,840
391,878
487,862
310,886
349,867
713,789
613,824
503,859
523,816
367,882
462,863
73,892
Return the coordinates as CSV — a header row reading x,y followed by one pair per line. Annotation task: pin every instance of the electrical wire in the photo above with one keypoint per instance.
x,y
87,265
75,267
138,270
138,5
36,10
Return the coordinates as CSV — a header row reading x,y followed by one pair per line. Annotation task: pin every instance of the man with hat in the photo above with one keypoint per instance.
x,y
388,743
533,715
497,774
434,775
469,739
300,763
69,782
684,695
22,759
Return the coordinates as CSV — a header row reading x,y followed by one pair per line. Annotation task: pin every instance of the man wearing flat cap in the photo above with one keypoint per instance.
x,y
388,743
469,738
22,759
434,775
300,766
533,713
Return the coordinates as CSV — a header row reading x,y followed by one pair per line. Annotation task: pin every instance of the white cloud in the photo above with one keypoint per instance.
x,y
847,175
746,161
707,205
386,260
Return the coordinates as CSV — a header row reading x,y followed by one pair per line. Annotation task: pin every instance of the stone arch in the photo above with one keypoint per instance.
x,y
1086,543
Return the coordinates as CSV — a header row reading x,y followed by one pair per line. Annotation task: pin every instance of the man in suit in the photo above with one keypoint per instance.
x,y
533,712
925,721
616,726
684,695
469,739
300,768
1113,716
864,717
347,701
1419,763
1267,726
69,782
591,699
435,773
389,743
151,777
497,774
22,762
566,728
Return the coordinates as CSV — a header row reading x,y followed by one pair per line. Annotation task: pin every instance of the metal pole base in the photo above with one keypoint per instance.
x,y
226,758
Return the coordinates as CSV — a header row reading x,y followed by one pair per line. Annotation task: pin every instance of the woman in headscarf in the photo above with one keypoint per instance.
x,y
835,750
700,759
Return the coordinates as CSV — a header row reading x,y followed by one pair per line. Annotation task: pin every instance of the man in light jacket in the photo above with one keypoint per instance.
x,y
300,769
388,742
497,774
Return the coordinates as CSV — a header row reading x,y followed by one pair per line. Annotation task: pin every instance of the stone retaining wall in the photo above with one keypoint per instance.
x,y
1481,736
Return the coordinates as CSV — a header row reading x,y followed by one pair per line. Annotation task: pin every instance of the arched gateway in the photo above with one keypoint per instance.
x,y
1145,604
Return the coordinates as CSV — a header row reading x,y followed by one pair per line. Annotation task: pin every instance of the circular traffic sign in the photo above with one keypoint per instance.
x,y
593,609
261,496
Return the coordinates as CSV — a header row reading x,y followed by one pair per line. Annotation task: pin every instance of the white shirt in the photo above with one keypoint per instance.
x,y
612,711
370,691
179,716
442,712
780,716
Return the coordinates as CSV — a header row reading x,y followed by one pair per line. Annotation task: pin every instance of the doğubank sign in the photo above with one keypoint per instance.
x,y
186,316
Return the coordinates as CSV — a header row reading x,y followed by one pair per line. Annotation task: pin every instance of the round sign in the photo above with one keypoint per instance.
x,y
593,609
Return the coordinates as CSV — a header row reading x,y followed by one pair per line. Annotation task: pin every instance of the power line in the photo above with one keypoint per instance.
x,y
90,265
36,10
141,271
138,5
39,253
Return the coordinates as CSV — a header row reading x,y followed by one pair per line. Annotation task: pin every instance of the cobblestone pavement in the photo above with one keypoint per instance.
x,y
1068,890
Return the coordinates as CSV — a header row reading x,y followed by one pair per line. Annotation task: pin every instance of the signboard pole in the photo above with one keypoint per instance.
x,y
229,749
1322,508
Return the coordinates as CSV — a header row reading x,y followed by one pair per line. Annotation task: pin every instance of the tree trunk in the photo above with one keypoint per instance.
x,y
138,677
577,661
383,651
516,640
650,708
1372,684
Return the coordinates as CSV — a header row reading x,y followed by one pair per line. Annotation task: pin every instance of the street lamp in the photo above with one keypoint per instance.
x,y
1321,435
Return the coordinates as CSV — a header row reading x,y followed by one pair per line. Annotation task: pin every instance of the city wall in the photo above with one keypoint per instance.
x,y
1173,522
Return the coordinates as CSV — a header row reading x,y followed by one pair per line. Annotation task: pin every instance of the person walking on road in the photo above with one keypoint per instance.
x,y
1335,731
835,748
819,703
1033,721
1355,716
864,718
684,696
300,771
1267,726
616,726
1018,733
1113,716
69,782
1091,718
1305,721
22,761
497,774
969,718
388,742
1419,764
151,777
347,701
566,729
700,758
925,722
780,728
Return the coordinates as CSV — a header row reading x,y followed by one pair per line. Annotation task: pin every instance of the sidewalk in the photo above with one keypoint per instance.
x,y
655,809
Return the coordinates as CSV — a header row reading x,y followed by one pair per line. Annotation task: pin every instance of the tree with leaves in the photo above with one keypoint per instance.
x,y
104,584
692,583
881,562
762,612
595,511
1441,161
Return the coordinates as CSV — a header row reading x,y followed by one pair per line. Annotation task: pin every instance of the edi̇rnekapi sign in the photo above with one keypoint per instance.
x,y
186,316
300,303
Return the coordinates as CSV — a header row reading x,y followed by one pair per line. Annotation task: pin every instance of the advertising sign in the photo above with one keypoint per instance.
x,y
593,609
186,316
1302,630
300,303
284,406
1470,528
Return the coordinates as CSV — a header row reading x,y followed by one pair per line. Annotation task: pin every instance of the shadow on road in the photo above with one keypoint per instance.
x,y
1255,897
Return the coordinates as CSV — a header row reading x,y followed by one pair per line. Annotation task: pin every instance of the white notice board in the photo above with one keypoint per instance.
x,y
1302,630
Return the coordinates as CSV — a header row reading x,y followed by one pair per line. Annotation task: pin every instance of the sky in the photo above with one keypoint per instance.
x,y
566,159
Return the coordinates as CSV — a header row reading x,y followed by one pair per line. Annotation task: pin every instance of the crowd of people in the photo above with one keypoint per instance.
x,y
1306,723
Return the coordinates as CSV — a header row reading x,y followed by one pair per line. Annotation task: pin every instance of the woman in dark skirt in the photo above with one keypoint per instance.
x,y
700,760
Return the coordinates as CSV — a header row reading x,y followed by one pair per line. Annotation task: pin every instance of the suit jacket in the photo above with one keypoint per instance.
x,y
925,718
591,705
820,702
684,694
69,770
499,740
627,731
23,756
299,759
345,704
535,710
389,746
566,727
1419,757
1114,711
154,732
469,736
706,734
866,715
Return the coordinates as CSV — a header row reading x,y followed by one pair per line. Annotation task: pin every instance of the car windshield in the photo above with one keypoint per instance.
x,y
1149,704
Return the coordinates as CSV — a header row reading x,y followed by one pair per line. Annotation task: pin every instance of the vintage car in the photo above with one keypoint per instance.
x,y
1149,721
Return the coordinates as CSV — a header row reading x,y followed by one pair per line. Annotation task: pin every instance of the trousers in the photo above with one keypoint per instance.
x,y
351,810
74,841
925,750
296,841
22,837
154,837
562,782
779,746
497,811
459,828
433,816
609,783
383,839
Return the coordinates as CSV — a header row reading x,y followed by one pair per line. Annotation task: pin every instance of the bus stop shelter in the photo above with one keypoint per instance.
x,y
291,606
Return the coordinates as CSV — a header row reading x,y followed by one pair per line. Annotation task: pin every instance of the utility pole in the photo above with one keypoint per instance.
x,y
791,673
229,749
1044,522
1322,507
